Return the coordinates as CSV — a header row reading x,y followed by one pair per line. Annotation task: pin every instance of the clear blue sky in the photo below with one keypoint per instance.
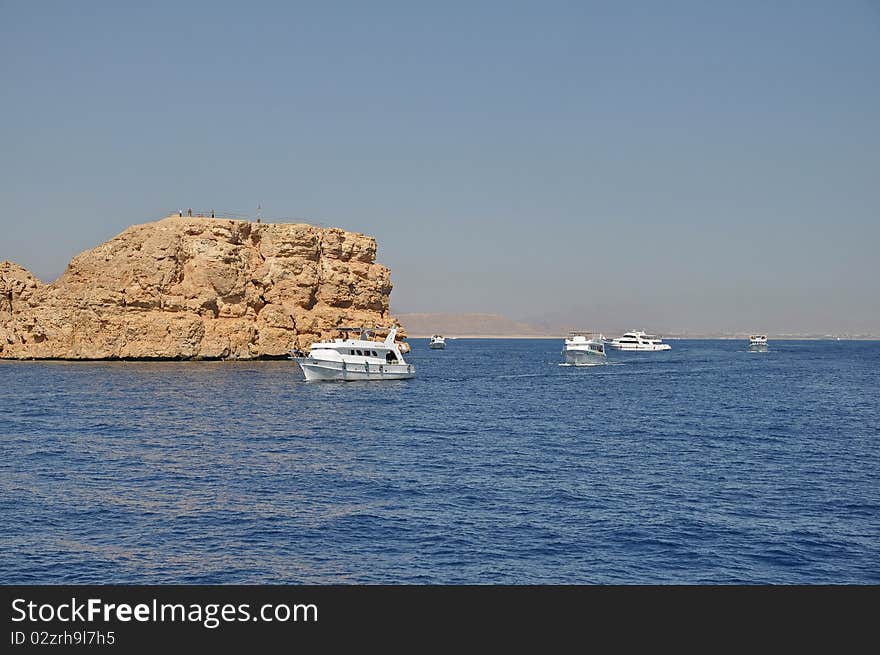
x,y
671,165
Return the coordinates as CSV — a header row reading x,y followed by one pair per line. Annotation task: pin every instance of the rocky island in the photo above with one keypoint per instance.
x,y
196,288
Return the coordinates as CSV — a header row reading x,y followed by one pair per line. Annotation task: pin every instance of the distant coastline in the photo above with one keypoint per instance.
x,y
483,336
496,326
668,337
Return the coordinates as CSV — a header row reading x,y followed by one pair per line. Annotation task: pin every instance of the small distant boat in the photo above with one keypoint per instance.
x,y
584,349
356,359
638,340
757,342
438,342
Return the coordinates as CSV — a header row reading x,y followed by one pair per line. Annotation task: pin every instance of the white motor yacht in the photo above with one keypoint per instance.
x,y
640,341
438,342
757,341
356,359
584,349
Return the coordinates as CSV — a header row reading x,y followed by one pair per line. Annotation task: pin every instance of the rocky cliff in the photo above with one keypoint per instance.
x,y
196,288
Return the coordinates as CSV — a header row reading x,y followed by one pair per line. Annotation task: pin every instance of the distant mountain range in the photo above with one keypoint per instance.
x,y
468,325
495,325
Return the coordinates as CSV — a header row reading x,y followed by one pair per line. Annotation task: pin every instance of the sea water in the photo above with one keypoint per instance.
x,y
704,464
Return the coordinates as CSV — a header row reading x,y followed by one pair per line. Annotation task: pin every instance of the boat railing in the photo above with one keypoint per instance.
x,y
365,332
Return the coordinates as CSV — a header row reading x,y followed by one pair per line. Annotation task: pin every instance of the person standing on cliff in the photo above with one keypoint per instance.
x,y
189,212
180,213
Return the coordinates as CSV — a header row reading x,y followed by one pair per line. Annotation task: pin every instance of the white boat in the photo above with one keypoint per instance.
x,y
584,349
438,342
356,359
757,342
639,340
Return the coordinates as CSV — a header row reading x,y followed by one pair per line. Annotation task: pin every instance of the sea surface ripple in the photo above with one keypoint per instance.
x,y
707,464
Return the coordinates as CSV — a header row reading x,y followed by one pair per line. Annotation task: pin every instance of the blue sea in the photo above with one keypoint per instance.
x,y
707,464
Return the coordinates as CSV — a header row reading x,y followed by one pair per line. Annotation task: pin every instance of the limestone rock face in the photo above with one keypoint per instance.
x,y
196,288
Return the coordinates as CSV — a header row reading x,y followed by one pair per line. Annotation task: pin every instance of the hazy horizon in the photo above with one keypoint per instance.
x,y
682,167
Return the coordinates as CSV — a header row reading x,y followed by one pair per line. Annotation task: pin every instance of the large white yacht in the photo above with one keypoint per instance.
x,y
438,342
639,340
584,349
356,359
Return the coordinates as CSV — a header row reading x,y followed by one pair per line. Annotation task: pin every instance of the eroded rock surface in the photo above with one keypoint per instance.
x,y
196,288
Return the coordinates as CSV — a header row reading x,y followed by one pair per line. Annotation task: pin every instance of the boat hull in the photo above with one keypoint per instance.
x,y
438,346
629,348
325,370
583,358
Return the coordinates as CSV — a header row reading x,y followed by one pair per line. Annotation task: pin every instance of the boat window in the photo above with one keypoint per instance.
x,y
359,352
351,352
